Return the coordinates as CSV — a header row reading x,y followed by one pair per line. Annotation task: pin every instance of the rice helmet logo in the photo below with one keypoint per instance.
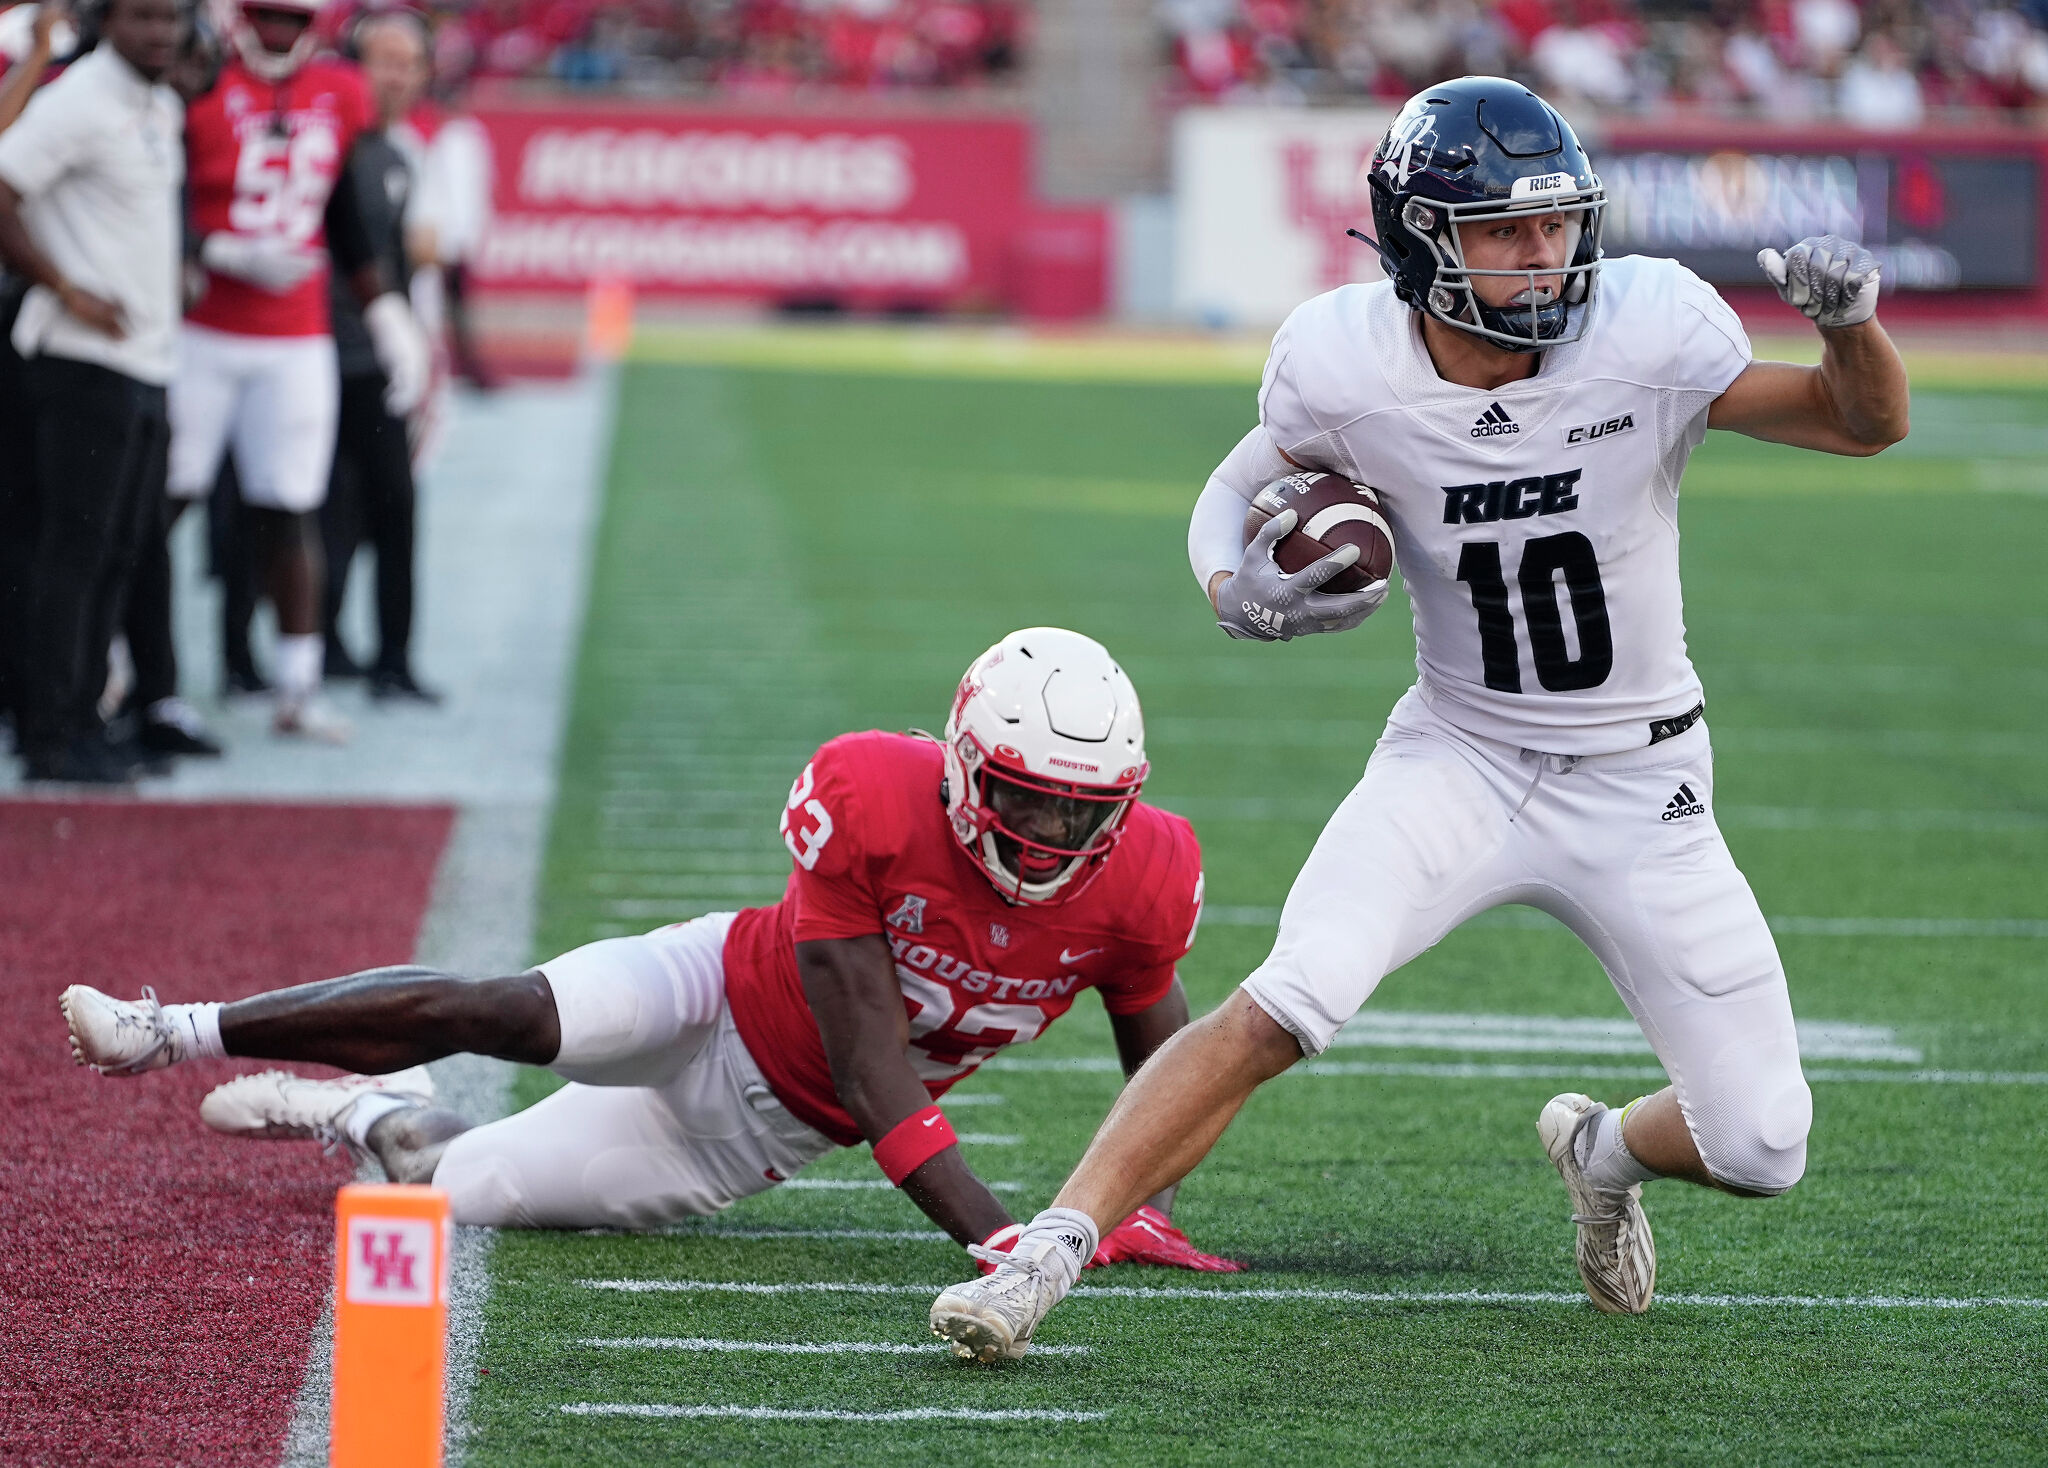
x,y
1410,149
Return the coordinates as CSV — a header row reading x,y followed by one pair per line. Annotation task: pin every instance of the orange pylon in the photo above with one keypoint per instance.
x,y
390,1325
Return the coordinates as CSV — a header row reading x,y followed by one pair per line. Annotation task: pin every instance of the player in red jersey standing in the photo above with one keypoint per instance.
x,y
257,370
948,899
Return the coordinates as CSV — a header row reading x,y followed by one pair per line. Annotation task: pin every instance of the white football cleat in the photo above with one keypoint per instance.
x,y
312,719
1617,1256
990,1319
276,1105
118,1037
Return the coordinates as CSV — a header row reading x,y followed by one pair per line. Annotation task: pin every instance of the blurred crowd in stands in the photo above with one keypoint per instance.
x,y
736,47
1878,64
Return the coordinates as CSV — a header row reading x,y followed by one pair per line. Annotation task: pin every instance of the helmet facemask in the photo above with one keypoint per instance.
x,y
1034,837
1545,320
1044,757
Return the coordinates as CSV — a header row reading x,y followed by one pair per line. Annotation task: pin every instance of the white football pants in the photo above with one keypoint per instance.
x,y
666,1115
275,399
1622,849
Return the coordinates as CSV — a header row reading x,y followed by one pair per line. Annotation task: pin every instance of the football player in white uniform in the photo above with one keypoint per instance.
x,y
1525,410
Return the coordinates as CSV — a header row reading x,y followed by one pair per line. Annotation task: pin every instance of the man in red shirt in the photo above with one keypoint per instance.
x,y
949,898
257,370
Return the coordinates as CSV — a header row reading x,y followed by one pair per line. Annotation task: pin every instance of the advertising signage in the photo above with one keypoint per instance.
x,y
1941,218
880,210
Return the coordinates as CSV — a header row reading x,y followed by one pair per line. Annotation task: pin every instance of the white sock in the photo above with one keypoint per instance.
x,y
1062,1240
299,659
367,1110
1604,1157
197,1027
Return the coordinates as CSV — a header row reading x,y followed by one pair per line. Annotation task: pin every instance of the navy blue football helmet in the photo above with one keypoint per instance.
x,y
1475,149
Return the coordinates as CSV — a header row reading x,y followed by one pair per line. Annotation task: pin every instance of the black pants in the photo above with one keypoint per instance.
x,y
148,619
18,499
102,443
370,498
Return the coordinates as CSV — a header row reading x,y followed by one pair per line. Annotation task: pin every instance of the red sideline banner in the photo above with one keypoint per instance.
x,y
859,211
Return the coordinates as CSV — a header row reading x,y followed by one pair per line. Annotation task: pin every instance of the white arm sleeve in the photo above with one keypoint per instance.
x,y
1216,531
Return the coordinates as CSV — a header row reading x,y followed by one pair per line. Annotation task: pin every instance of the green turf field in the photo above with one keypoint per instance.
x,y
786,555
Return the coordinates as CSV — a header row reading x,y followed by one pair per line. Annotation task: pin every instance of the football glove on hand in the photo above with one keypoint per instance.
x,y
1149,1237
1262,603
268,262
402,351
1831,280
1002,1241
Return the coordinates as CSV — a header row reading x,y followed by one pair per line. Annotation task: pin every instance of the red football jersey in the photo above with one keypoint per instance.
x,y
261,158
874,854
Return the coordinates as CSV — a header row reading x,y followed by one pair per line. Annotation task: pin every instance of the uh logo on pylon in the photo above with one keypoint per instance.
x,y
1326,195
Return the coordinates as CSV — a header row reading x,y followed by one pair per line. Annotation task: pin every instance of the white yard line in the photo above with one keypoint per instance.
x,y
832,1414
892,1235
506,508
1347,1297
1799,927
1566,1070
1396,1029
797,1348
869,1184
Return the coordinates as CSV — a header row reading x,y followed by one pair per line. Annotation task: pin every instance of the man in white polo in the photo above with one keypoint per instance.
x,y
90,215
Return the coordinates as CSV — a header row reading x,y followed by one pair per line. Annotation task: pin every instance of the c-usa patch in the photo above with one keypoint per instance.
x,y
1605,428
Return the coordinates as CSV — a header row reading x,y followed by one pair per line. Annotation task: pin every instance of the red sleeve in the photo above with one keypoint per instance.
x,y
1173,907
834,889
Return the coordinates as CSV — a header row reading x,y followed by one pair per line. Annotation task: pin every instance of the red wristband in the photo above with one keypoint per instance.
x,y
913,1142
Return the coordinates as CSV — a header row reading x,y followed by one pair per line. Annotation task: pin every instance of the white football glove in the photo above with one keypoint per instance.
x,y
1262,603
402,351
268,262
1831,280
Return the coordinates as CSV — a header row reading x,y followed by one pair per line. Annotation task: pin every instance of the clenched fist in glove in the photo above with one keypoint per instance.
x,y
402,349
1262,603
1149,1237
1831,280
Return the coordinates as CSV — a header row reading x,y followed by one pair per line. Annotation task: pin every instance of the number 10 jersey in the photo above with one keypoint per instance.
x,y
1536,524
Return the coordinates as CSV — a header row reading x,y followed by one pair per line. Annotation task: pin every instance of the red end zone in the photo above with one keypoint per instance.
x,y
159,1285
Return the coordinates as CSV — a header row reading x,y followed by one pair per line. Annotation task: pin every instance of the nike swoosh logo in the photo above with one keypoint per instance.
x,y
931,1121
1066,957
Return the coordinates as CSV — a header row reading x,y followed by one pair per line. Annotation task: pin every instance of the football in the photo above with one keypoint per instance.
x,y
1333,512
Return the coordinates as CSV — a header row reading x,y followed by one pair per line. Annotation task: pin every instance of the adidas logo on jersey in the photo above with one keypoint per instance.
x,y
1605,428
1684,804
1494,422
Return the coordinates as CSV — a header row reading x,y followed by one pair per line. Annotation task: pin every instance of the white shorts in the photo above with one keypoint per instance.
x,y
1622,849
666,1115
274,399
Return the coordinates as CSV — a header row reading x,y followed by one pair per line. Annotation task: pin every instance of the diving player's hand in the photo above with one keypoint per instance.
x,y
1831,280
1262,603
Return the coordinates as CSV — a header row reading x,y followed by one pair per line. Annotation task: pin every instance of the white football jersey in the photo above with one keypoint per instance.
x,y
1536,525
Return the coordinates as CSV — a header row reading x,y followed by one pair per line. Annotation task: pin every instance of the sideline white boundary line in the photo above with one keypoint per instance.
x,y
1347,1297
797,1348
832,1414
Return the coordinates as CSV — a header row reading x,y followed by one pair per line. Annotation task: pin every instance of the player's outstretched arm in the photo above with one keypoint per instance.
x,y
1856,401
852,989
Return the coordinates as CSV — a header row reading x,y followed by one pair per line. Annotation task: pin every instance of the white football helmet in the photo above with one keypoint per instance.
x,y
1045,751
272,66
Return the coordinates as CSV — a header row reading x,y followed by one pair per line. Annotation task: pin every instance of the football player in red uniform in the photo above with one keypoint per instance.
x,y
949,898
257,369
